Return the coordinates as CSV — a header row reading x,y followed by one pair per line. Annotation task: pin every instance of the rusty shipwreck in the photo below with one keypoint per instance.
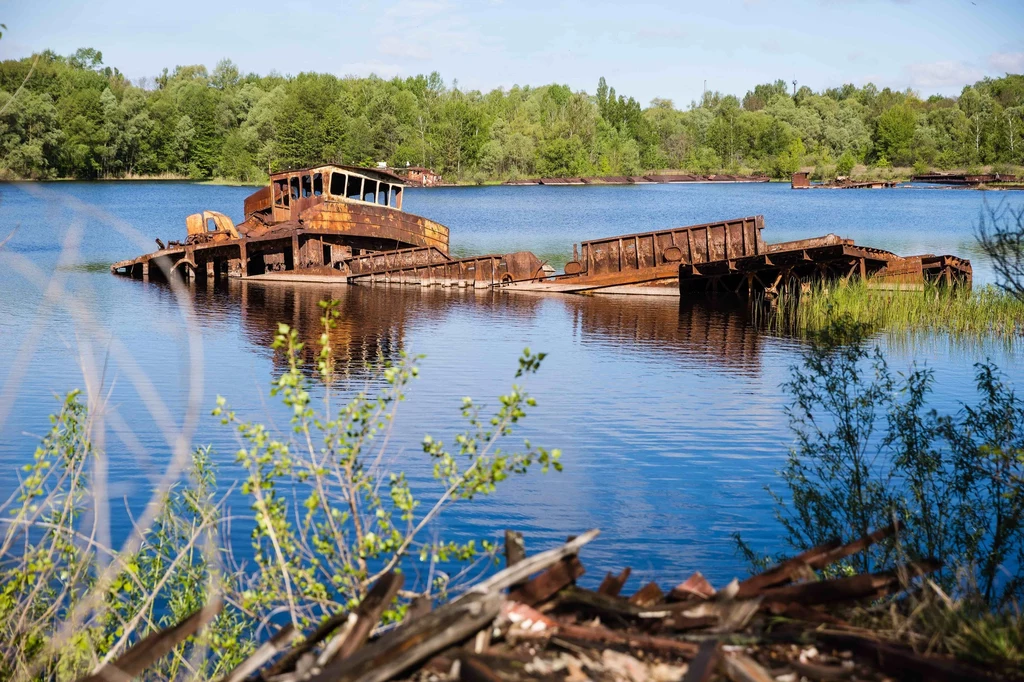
x,y
344,223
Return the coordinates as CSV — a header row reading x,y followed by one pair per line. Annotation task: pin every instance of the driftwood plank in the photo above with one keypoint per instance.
x,y
815,558
538,562
694,586
846,589
612,584
647,595
414,642
900,662
152,648
272,647
287,662
369,612
702,667
547,584
852,548
784,572
596,634
419,607
601,605
515,548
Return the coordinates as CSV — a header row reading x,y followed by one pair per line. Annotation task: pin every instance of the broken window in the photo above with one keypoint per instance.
x,y
318,184
354,190
281,193
382,194
295,188
396,196
338,184
370,191
307,187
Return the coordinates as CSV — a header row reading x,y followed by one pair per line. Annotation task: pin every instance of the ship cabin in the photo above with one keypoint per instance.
x,y
293,191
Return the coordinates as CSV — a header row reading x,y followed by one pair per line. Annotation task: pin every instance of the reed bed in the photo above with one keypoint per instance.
x,y
983,312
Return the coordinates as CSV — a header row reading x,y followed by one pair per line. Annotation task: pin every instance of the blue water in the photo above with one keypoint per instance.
x,y
670,416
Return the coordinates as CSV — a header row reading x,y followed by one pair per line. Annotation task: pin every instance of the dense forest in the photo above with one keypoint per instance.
x,y
74,117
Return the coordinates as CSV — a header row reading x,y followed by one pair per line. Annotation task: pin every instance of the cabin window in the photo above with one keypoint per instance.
x,y
318,184
338,184
211,225
307,187
281,193
370,191
354,190
295,188
382,194
396,196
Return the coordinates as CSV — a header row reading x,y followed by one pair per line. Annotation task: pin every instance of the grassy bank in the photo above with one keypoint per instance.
x,y
983,311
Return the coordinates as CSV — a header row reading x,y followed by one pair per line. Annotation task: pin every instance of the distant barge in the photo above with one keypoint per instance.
x,y
657,178
345,224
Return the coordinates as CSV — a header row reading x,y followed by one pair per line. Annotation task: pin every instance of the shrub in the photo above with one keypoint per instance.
x,y
869,451
845,164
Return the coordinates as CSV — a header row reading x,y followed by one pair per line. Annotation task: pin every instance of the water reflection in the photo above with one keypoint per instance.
x,y
709,331
375,320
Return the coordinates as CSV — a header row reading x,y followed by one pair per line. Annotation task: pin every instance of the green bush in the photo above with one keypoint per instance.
x,y
330,515
869,451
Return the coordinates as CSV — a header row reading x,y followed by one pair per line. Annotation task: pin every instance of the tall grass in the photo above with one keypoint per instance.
x,y
982,312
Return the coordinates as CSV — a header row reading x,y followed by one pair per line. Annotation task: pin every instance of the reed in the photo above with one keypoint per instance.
x,y
982,312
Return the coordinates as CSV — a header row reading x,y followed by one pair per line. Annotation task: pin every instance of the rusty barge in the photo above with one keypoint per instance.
x,y
343,223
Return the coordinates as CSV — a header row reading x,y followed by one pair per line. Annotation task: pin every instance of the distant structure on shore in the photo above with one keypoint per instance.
x,y
418,176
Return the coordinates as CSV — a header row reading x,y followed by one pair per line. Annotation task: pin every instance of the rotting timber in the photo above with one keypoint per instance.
x,y
346,224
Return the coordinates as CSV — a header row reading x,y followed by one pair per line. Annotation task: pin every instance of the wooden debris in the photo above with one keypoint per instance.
x,y
703,665
601,635
846,589
648,595
370,610
694,586
548,628
155,646
417,641
523,569
902,662
612,584
742,668
550,582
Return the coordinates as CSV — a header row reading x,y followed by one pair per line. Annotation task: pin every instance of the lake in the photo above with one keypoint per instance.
x,y
669,415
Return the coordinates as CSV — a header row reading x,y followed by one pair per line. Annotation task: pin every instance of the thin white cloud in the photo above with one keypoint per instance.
x,y
942,74
363,69
424,30
1007,62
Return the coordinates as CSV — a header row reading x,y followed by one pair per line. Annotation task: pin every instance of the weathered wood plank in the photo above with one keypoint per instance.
x,y
612,584
414,642
549,583
538,562
369,611
152,648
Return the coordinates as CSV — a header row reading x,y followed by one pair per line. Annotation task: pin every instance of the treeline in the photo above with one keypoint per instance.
x,y
73,117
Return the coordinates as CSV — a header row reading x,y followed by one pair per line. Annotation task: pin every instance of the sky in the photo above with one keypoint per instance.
x,y
644,49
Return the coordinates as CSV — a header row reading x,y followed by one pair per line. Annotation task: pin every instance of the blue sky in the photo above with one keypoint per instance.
x,y
649,49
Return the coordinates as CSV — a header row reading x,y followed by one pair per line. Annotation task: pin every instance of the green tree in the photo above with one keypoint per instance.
x,y
894,135
845,164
